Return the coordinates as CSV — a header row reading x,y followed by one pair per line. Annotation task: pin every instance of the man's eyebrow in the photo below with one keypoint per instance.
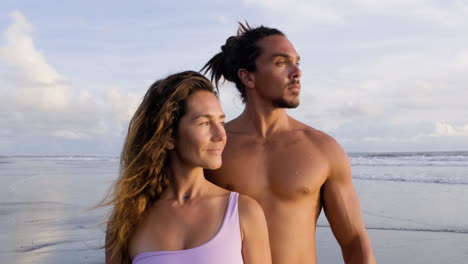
x,y
286,56
209,116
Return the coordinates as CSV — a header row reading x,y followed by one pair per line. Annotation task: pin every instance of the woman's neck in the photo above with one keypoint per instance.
x,y
185,183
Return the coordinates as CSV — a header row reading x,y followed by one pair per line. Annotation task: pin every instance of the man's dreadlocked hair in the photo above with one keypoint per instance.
x,y
239,52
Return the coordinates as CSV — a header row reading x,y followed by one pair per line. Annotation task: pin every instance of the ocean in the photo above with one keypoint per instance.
x,y
415,207
429,167
414,204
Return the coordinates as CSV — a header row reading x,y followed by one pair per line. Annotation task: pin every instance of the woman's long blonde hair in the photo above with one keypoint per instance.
x,y
144,171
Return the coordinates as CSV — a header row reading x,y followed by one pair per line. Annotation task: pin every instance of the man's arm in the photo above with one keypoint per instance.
x,y
341,206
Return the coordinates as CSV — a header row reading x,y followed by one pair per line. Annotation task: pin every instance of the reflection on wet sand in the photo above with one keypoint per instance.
x,y
44,216
48,232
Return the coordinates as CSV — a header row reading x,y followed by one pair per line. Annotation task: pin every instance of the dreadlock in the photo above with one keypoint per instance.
x,y
239,52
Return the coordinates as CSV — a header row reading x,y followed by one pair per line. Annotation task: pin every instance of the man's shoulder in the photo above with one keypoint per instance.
x,y
323,142
330,149
314,135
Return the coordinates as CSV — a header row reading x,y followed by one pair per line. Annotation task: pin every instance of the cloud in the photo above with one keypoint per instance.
x,y
339,13
350,110
37,100
122,106
443,136
371,101
20,52
375,139
373,70
314,11
412,85
450,13
37,83
460,61
221,18
402,63
446,130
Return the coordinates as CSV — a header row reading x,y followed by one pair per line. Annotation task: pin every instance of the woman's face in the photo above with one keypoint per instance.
x,y
200,137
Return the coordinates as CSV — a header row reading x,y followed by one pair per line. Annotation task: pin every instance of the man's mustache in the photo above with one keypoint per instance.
x,y
294,81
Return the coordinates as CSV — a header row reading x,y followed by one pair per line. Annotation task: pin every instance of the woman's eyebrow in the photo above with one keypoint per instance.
x,y
209,116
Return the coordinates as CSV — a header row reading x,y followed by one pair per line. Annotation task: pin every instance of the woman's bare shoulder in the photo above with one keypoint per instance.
x,y
250,211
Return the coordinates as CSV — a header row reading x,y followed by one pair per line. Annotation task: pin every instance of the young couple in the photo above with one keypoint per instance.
x,y
269,175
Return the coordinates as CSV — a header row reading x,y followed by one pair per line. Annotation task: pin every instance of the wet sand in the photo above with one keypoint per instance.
x,y
408,222
44,217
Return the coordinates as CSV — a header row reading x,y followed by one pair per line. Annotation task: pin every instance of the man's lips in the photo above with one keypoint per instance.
x,y
295,87
294,84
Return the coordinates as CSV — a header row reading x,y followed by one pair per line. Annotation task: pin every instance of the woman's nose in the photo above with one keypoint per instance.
x,y
219,133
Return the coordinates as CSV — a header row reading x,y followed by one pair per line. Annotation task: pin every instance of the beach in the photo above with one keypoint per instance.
x,y
45,202
415,207
408,222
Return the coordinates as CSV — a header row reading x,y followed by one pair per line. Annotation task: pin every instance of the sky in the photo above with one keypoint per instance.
x,y
378,76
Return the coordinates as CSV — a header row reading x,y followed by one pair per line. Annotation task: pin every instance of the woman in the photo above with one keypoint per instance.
x,y
164,210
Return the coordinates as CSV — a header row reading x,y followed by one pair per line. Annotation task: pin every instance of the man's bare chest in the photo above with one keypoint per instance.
x,y
288,171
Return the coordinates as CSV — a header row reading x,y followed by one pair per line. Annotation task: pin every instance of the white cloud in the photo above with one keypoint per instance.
x,y
350,109
373,70
418,85
37,83
36,99
399,63
312,11
446,130
122,106
450,13
374,139
20,52
80,133
220,18
460,61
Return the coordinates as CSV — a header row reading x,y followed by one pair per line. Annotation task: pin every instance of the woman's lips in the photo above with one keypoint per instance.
x,y
217,151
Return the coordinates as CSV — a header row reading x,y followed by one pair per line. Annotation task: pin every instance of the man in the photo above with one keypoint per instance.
x,y
291,169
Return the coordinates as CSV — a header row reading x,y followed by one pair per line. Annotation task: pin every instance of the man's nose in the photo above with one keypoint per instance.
x,y
296,72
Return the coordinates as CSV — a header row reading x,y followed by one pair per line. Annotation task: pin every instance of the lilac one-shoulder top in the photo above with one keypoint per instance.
x,y
225,247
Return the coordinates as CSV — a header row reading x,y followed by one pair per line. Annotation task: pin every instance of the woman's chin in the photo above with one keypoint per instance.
x,y
214,165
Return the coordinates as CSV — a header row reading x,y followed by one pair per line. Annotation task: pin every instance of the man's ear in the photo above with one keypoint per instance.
x,y
246,77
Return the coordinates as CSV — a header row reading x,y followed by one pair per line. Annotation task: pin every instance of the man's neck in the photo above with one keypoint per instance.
x,y
264,120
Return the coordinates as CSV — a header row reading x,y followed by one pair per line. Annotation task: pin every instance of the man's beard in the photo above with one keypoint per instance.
x,y
283,103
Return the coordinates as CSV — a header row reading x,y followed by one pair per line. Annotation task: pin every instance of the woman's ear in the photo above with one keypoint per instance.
x,y
246,77
170,144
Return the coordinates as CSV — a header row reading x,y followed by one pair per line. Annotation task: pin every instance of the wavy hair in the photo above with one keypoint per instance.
x,y
144,172
239,52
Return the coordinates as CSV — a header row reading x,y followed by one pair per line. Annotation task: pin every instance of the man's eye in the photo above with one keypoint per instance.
x,y
281,62
204,123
